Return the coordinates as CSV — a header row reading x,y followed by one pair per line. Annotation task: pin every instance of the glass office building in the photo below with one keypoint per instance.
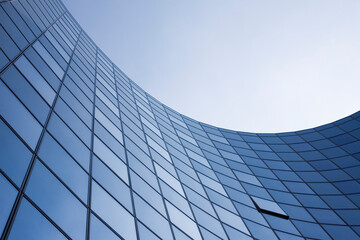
x,y
85,153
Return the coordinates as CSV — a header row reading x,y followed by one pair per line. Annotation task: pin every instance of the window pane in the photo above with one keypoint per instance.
x,y
183,222
145,234
49,59
231,219
64,166
117,188
110,158
311,230
15,157
99,231
112,212
259,231
30,224
23,90
152,219
73,121
69,140
57,202
168,178
7,198
19,117
35,79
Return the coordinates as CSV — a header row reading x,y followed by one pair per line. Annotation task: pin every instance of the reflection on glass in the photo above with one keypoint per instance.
x,y
15,157
57,202
6,200
99,231
19,117
112,212
30,224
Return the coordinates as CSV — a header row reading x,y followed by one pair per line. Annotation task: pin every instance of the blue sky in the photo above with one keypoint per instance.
x,y
260,66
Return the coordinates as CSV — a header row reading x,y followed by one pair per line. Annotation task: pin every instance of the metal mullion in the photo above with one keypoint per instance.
x,y
87,236
126,158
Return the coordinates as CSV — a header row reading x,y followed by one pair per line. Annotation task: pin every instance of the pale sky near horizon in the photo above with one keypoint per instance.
x,y
247,65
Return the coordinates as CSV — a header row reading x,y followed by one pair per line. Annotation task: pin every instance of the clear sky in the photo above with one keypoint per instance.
x,y
248,65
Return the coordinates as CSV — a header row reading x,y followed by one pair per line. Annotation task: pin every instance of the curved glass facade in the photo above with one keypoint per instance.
x,y
85,153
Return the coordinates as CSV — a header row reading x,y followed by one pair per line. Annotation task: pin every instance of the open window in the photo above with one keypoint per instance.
x,y
268,207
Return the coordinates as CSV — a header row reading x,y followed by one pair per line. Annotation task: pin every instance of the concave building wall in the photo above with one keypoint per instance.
x,y
85,153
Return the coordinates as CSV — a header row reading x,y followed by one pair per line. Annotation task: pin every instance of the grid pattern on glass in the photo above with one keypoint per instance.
x,y
87,154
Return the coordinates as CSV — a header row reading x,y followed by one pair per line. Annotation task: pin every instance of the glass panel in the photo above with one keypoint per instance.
x,y
340,232
151,218
7,199
311,230
110,141
35,79
49,59
30,224
250,213
234,234
231,219
281,224
73,121
183,221
168,178
64,166
99,231
146,192
212,184
326,216
260,232
107,102
110,159
145,233
112,212
57,46
26,93
109,125
69,141
175,199
19,117
117,188
15,157
57,202
197,157
209,222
